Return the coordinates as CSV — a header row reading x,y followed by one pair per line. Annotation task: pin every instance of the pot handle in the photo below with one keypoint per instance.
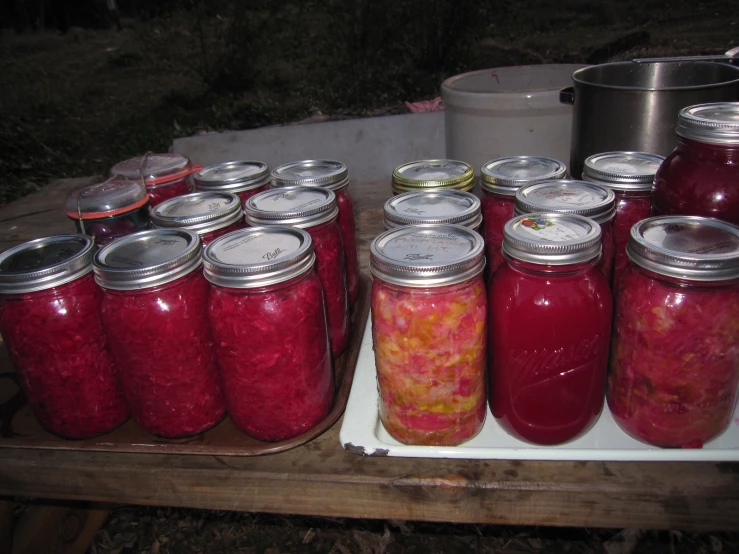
x,y
567,95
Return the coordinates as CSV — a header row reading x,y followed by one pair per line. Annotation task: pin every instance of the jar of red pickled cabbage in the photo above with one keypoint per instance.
x,y
313,209
578,198
209,214
50,323
630,176
499,181
244,179
428,330
550,324
332,175
701,176
110,209
165,175
432,175
675,354
269,325
155,315
433,207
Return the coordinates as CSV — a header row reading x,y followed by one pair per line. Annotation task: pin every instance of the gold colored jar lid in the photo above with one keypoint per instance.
x,y
433,175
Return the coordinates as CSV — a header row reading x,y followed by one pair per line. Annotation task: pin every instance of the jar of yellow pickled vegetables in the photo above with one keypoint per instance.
x,y
429,310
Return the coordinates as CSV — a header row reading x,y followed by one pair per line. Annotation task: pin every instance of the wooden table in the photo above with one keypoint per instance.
x,y
321,478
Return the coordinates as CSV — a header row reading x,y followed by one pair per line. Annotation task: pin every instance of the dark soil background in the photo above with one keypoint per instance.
x,y
74,103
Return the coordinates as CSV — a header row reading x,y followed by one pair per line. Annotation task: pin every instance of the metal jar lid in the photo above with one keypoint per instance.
x,y
330,174
296,206
433,174
41,264
201,212
231,177
427,255
552,238
147,259
567,197
622,171
507,175
153,169
433,207
717,123
258,257
109,198
686,247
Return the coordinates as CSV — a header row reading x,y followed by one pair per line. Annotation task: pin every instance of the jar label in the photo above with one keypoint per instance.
x,y
437,247
692,239
257,248
546,229
571,198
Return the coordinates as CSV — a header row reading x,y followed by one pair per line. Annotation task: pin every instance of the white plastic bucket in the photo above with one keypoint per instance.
x,y
508,111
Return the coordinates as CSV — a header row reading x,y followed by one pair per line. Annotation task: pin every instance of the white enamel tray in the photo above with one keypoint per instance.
x,y
363,433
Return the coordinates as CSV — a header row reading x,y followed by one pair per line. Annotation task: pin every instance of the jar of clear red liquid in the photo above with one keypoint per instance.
x,y
550,324
50,323
630,176
244,179
432,208
155,315
674,371
433,175
108,210
209,214
313,209
701,176
332,175
429,311
164,175
578,198
268,319
499,181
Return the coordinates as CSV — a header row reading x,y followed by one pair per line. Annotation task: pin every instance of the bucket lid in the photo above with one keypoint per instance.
x,y
297,206
623,171
153,169
201,212
507,175
567,197
433,207
552,238
331,174
258,257
147,259
433,174
686,247
45,263
112,197
231,176
427,255
716,123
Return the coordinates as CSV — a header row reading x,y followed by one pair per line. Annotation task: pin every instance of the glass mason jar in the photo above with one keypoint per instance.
x,y
428,330
433,175
313,209
630,176
209,214
578,198
332,175
164,175
269,324
499,181
550,325
244,179
675,353
110,209
701,176
50,322
433,207
155,314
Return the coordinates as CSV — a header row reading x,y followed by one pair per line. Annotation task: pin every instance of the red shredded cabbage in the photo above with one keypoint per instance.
x,y
497,210
165,191
58,346
348,234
